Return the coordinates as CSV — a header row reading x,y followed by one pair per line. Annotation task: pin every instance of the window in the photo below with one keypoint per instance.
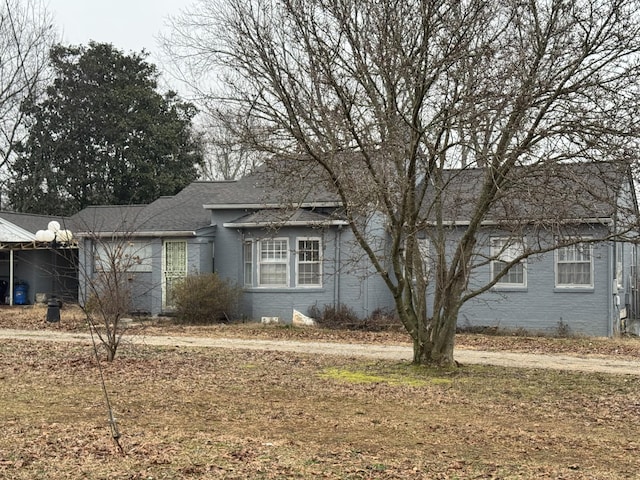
x,y
309,262
248,263
574,266
273,266
123,255
504,251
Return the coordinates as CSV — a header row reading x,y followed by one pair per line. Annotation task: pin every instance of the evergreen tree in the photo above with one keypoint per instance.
x,y
103,135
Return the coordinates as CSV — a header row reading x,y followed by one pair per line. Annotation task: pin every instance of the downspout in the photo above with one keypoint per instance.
x,y
336,269
612,290
85,266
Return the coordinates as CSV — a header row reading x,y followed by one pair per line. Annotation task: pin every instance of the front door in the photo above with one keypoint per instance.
x,y
174,265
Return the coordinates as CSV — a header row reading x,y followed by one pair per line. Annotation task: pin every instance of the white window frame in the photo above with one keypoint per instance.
x,y
247,263
619,246
262,263
505,250
573,248
317,262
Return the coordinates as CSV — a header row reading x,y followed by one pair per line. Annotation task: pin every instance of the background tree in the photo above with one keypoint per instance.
x,y
380,99
227,156
26,35
103,135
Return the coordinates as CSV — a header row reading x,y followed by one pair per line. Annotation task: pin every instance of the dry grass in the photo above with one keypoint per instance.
x,y
73,319
200,414
208,414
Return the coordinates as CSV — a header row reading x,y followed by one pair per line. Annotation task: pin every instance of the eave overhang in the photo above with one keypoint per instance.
x,y
293,223
499,223
258,206
151,234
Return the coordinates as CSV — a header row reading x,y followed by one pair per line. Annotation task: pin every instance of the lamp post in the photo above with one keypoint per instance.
x,y
56,237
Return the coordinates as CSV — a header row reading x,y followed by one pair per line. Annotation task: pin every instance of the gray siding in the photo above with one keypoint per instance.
x,y
146,286
227,260
541,307
349,279
346,280
142,287
155,291
361,287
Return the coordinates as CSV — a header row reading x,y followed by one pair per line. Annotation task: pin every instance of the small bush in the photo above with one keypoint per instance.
x,y
562,329
340,317
205,299
344,318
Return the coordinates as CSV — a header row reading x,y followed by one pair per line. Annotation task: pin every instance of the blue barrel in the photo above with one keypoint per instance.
x,y
20,292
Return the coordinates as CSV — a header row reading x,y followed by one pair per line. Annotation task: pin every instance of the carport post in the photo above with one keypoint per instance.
x,y
11,277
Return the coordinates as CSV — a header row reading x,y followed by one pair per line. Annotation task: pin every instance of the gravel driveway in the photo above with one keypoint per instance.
x,y
387,352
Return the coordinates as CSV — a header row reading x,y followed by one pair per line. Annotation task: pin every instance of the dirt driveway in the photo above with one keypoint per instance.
x,y
591,363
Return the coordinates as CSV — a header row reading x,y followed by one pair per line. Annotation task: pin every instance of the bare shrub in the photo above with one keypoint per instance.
x,y
343,317
336,317
205,299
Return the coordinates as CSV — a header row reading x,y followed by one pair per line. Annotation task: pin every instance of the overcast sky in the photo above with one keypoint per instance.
x,y
130,25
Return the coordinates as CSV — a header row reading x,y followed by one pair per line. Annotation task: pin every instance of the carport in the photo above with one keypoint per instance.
x,y
37,265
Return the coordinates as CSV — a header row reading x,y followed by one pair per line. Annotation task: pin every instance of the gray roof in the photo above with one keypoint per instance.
x,y
265,189
184,211
569,191
187,210
107,218
180,213
555,192
32,223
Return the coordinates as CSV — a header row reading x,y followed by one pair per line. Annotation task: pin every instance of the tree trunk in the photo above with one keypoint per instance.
x,y
437,350
111,352
434,339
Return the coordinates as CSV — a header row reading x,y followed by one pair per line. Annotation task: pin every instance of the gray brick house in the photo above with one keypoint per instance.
x,y
289,248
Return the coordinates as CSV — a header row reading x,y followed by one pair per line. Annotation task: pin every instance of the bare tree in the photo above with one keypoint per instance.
x,y
111,260
227,156
26,35
434,114
109,293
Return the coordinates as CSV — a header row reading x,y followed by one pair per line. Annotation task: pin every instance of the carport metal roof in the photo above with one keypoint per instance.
x,y
12,237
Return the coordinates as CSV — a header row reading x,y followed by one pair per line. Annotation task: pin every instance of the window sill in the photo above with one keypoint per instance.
x,y
574,289
283,289
509,288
